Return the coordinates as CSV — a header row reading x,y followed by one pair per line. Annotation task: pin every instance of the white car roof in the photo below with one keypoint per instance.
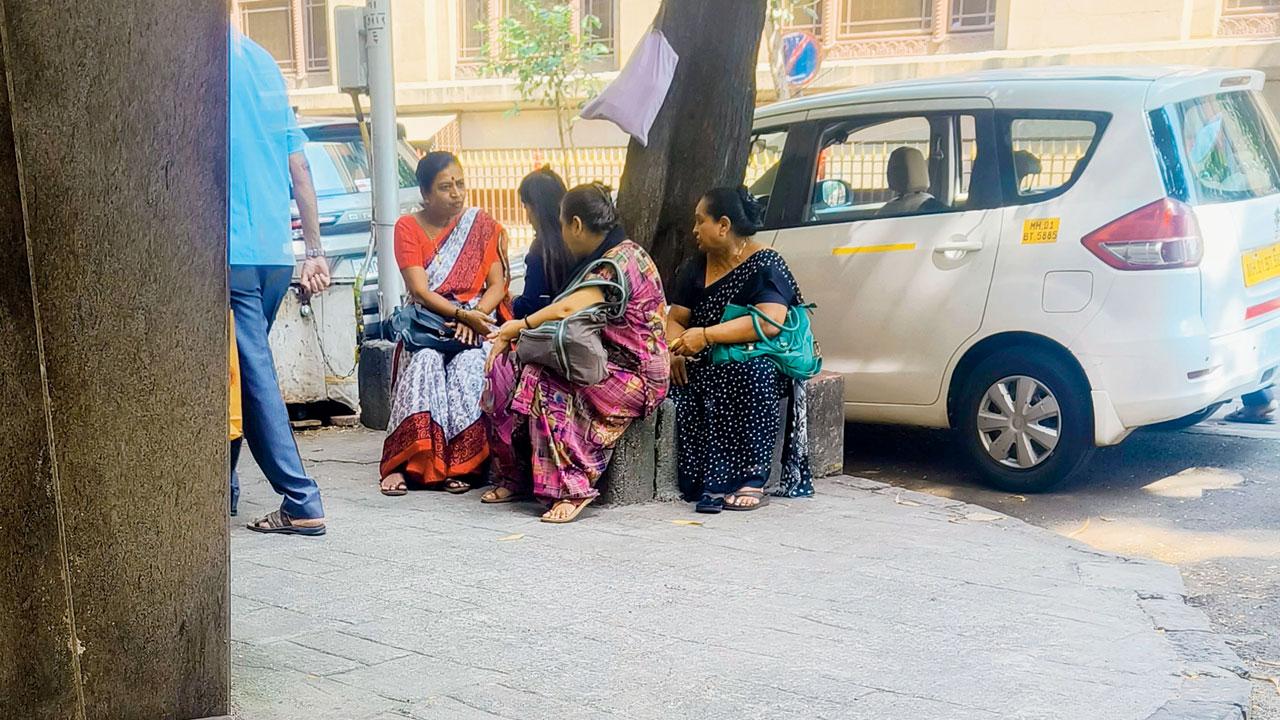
x,y
1162,84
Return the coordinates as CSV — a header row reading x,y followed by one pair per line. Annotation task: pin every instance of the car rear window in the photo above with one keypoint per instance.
x,y
341,167
1225,145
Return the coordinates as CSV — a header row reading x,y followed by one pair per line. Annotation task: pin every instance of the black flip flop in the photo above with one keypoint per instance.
x,y
277,523
396,491
709,505
761,498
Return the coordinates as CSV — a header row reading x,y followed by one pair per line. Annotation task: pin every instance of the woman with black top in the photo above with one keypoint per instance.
x,y
548,260
727,413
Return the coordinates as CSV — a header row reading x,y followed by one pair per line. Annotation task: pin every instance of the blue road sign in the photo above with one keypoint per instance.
x,y
803,57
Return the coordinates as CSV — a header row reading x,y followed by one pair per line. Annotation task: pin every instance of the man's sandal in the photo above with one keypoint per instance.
x,y
277,523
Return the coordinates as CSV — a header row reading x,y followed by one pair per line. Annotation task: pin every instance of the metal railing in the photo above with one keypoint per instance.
x,y
493,178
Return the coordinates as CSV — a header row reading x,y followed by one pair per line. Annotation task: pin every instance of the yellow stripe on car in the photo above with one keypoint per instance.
x,y
860,249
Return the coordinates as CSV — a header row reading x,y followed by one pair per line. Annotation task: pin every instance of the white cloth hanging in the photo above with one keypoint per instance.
x,y
633,99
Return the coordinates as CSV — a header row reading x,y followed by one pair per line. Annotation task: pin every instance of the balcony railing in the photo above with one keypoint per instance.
x,y
1249,18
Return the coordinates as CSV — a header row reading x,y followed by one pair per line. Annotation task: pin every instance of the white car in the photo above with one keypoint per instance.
x,y
1043,259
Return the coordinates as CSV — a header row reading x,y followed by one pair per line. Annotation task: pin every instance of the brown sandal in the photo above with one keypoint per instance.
x,y
277,523
578,506
489,499
396,491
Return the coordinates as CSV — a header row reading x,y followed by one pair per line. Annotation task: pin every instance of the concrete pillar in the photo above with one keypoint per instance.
x,y
113,400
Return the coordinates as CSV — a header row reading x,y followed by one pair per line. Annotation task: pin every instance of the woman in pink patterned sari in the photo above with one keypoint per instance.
x,y
551,438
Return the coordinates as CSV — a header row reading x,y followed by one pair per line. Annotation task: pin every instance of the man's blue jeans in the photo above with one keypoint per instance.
x,y
256,294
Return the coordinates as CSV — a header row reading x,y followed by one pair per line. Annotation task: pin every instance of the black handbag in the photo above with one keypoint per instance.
x,y
417,328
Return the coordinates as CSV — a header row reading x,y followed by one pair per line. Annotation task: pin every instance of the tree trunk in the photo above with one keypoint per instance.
x,y
700,138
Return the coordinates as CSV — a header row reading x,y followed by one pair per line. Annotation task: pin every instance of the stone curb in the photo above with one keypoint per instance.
x,y
1214,680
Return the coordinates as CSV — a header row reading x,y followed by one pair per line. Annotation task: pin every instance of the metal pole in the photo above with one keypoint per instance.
x,y
386,185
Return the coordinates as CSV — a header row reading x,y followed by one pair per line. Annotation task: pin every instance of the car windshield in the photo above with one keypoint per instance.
x,y
341,167
1229,146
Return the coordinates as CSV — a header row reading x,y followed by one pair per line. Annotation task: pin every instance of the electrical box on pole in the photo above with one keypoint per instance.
x,y
350,66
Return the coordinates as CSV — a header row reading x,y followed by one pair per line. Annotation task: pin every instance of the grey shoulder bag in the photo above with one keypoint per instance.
x,y
574,347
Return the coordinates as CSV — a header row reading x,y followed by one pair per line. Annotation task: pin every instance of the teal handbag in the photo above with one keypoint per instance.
x,y
793,350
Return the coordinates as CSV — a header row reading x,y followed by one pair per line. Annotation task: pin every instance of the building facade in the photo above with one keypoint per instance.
x,y
445,101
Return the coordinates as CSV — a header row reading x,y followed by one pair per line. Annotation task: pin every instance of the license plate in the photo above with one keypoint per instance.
x,y
1261,265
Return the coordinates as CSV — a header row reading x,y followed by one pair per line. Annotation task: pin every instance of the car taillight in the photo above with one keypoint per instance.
x,y
1158,236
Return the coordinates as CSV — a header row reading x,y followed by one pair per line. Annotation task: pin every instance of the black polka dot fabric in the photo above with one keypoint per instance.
x,y
728,415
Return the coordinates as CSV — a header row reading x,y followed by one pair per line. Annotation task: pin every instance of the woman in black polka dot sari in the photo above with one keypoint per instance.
x,y
727,414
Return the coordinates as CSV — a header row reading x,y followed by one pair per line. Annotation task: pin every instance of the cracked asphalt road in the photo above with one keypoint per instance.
x,y
1206,500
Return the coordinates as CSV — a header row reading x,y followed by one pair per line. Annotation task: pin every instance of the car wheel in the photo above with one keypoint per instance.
x,y
1025,421
1187,421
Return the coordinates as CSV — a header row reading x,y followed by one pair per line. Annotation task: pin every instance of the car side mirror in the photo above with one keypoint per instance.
x,y
835,193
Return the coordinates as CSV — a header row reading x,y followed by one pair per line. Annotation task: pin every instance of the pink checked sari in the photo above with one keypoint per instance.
x,y
555,438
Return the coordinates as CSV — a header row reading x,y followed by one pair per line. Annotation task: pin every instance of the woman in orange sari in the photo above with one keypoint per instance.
x,y
453,262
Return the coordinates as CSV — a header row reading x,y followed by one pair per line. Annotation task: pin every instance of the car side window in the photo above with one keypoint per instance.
x,y
893,167
764,160
1046,152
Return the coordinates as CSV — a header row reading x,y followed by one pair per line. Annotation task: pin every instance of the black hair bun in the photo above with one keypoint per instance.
x,y
751,207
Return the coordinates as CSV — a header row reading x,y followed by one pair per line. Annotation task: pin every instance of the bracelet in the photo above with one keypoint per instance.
x,y
457,310
706,339
525,320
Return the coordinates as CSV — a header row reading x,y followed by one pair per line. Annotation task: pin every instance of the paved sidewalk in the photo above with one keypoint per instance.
x,y
865,602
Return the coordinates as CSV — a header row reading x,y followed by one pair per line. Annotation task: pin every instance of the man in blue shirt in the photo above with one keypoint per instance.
x,y
266,160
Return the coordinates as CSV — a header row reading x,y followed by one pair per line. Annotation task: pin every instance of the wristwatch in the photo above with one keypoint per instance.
x,y
315,253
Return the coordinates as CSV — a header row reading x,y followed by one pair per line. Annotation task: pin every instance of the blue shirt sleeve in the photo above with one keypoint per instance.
x,y
295,139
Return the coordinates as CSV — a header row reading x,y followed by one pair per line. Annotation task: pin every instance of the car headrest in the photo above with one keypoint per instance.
x,y
908,172
1025,163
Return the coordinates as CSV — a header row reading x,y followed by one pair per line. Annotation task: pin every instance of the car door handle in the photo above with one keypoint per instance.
x,y
958,244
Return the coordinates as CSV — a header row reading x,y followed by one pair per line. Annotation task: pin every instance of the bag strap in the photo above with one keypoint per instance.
x,y
757,315
615,308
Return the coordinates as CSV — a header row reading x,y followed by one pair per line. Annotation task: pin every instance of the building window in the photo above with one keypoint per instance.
x,y
970,15
1249,7
806,17
885,17
267,22
272,24
606,12
316,32
474,18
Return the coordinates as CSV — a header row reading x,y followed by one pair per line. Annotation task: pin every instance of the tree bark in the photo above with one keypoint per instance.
x,y
700,138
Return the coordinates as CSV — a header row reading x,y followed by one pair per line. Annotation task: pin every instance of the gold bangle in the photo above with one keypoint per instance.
x,y
706,338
